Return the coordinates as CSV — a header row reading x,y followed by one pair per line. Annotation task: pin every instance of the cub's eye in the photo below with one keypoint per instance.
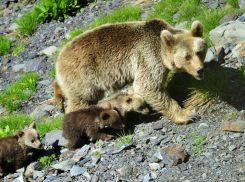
x,y
32,141
187,58
199,53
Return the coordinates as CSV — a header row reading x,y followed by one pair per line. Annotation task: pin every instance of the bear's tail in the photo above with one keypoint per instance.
x,y
59,96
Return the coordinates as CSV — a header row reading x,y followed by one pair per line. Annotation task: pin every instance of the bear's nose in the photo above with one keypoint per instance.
x,y
200,71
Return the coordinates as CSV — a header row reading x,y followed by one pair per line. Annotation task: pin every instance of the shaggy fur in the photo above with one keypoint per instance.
x,y
88,122
112,56
18,146
125,102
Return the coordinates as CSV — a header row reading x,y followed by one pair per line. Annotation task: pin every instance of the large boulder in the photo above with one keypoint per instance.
x,y
229,32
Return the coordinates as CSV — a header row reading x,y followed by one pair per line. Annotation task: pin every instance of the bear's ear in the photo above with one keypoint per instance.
x,y
128,99
196,29
33,125
20,133
168,38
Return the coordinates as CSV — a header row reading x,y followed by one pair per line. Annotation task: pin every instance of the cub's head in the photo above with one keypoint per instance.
x,y
135,102
185,52
110,118
29,137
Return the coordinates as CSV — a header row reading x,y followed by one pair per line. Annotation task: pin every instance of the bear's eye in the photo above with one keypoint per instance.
x,y
187,57
199,53
32,141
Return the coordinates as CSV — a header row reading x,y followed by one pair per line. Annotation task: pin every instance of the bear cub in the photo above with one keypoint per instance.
x,y
88,122
124,102
17,147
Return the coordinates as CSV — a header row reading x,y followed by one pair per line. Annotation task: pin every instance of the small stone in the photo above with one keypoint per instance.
x,y
204,176
20,179
233,126
155,166
157,126
86,174
77,170
124,170
172,156
237,135
95,159
232,147
146,178
219,55
49,51
153,175
5,61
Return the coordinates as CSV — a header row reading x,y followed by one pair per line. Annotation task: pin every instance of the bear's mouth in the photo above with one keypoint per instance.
x,y
199,77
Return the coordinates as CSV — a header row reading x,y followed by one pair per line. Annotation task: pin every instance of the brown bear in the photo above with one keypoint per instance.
x,y
124,102
89,122
17,147
112,56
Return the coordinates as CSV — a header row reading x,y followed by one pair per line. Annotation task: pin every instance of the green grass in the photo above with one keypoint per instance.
x,y
12,97
191,92
27,24
47,126
5,44
124,139
97,153
233,3
198,143
165,10
52,72
124,14
12,123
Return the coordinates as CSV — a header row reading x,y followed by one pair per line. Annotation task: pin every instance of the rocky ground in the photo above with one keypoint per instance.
x,y
160,150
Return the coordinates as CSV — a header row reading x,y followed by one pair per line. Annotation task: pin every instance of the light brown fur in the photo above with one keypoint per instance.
x,y
18,146
88,122
124,102
112,56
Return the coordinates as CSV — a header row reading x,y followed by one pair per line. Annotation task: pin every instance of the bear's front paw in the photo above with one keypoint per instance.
x,y
109,137
186,116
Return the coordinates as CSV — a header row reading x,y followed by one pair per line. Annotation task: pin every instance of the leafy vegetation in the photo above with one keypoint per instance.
x,y
233,3
198,143
46,160
13,95
18,49
97,153
12,123
5,44
124,139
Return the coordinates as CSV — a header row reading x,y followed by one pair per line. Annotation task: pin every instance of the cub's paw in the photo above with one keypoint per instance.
x,y
186,116
109,137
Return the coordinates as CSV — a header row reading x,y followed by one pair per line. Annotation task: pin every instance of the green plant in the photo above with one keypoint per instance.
x,y
97,153
233,3
12,123
165,10
5,44
55,9
6,131
27,24
13,95
198,143
47,126
46,160
124,139
18,49
243,70
53,72
183,138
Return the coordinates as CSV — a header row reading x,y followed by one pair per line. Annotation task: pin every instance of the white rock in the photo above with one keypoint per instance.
x,y
49,51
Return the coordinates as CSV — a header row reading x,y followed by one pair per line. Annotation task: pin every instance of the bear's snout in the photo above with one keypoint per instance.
x,y
200,73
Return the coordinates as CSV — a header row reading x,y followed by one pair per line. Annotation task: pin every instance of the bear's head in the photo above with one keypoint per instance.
x,y
110,118
29,137
185,52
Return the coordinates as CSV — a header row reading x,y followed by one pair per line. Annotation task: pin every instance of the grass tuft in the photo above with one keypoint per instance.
x,y
12,97
27,24
5,44
233,3
46,160
124,139
198,143
12,123
47,126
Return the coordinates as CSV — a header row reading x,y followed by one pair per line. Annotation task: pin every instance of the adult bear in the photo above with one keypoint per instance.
x,y
111,56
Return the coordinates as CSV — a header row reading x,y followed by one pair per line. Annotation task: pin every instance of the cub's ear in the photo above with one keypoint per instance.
x,y
131,91
168,38
128,99
197,29
33,125
104,116
106,105
20,133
